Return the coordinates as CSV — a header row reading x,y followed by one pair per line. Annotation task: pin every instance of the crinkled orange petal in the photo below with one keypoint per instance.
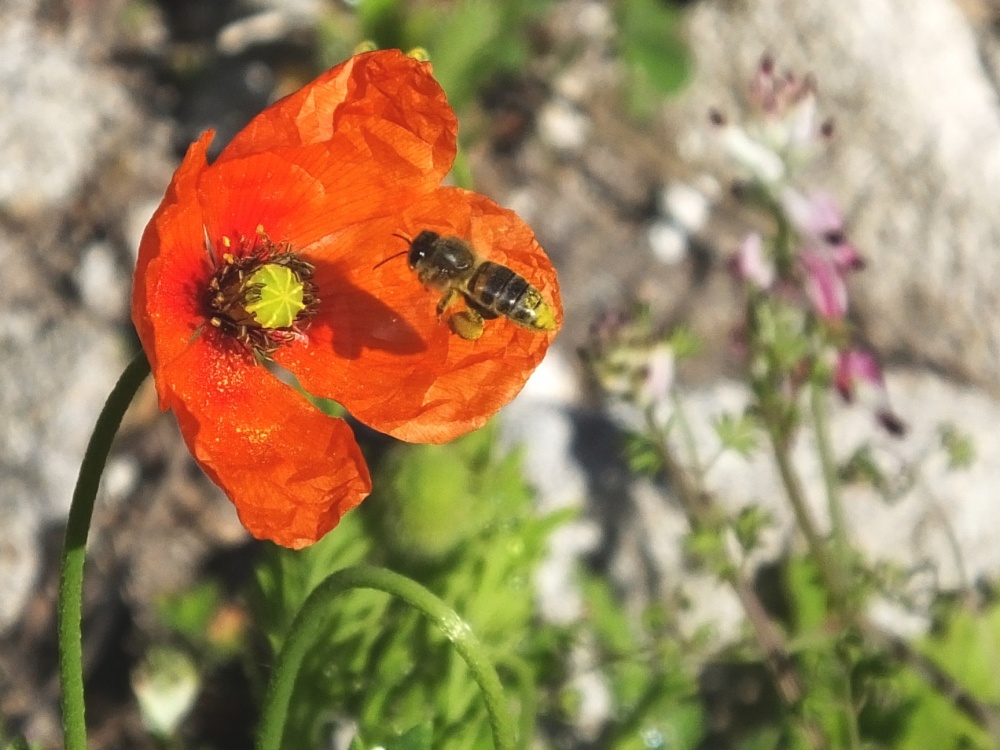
x,y
377,345
172,270
384,102
290,470
301,195
291,488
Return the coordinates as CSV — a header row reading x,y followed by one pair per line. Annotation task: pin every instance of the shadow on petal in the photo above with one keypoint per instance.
x,y
361,321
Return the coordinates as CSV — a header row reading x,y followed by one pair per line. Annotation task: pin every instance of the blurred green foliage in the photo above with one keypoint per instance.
x,y
17,743
958,446
206,622
469,41
420,737
457,518
858,696
643,660
965,645
653,50
737,433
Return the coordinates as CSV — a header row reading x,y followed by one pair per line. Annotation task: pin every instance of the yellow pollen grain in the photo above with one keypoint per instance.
x,y
226,242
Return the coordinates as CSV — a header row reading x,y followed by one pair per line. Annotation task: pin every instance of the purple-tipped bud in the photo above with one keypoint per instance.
x,y
858,377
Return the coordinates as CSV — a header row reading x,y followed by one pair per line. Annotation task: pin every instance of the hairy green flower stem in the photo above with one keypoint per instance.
x,y
75,550
310,620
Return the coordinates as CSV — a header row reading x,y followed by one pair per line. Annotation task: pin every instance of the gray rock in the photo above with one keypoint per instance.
x,y
20,555
915,158
66,183
58,114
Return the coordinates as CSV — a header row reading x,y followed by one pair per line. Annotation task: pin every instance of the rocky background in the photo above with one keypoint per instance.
x,y
99,98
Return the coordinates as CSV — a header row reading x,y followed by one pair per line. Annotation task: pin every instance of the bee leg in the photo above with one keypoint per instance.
x,y
467,324
450,297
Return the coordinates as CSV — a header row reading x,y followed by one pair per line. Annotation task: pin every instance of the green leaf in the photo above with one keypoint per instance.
x,y
808,598
657,60
966,647
738,434
420,737
642,453
190,612
685,342
862,468
958,445
749,525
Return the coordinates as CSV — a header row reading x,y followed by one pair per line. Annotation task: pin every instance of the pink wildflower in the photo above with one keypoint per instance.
x,y
783,131
751,263
858,377
818,218
824,284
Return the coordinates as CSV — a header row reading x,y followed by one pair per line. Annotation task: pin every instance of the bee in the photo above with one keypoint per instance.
x,y
491,290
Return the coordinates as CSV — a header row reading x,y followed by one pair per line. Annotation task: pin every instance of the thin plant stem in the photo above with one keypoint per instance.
x,y
688,436
828,568
850,710
75,550
309,622
702,514
835,508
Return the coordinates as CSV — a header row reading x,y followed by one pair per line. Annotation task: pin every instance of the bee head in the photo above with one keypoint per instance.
x,y
422,246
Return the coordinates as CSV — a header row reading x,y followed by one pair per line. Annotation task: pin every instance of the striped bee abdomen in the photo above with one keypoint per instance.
x,y
501,291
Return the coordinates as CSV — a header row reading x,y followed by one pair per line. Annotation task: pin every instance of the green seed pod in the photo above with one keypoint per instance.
x,y
277,297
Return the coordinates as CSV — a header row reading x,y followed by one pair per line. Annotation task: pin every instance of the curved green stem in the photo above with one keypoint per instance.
x,y
75,550
311,617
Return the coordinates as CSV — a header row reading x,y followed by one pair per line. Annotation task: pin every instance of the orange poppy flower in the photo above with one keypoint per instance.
x,y
282,250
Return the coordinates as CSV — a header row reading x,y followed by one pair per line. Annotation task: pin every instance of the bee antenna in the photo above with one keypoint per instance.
x,y
386,260
403,237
